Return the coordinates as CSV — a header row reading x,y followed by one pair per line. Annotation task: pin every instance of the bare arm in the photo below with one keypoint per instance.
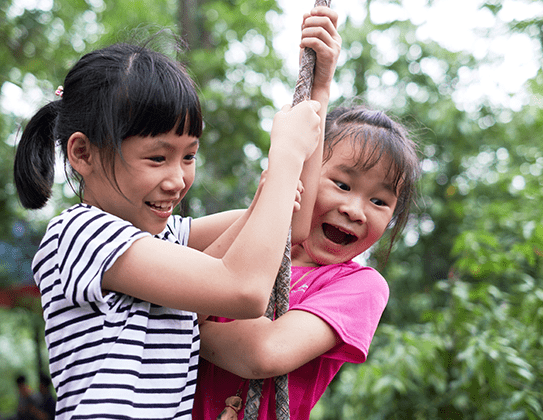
x,y
238,284
205,230
261,348
219,247
319,32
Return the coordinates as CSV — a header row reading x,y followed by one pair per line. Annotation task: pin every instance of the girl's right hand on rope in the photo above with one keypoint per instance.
x,y
296,130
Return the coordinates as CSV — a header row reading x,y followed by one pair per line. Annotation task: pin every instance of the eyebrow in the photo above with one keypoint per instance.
x,y
159,143
195,143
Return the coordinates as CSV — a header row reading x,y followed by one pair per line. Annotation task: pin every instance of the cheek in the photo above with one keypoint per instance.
x,y
324,203
380,226
317,219
190,176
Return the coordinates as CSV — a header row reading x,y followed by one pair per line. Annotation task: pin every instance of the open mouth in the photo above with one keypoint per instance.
x,y
337,235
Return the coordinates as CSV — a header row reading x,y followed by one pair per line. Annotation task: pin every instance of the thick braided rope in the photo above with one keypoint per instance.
x,y
279,298
282,287
277,306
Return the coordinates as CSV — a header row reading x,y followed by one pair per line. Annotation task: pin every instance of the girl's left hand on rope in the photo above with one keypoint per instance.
x,y
298,199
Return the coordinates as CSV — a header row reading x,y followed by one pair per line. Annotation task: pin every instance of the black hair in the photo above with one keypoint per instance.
x,y
375,136
109,95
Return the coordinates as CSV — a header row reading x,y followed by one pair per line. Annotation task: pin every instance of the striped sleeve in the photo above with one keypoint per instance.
x,y
85,245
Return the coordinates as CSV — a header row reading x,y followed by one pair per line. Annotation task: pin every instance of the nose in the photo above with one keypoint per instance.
x,y
174,180
353,208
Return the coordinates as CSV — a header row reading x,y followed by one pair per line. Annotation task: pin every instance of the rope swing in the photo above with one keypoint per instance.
x,y
279,298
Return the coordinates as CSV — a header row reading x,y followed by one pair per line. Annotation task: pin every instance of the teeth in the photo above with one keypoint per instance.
x,y
161,206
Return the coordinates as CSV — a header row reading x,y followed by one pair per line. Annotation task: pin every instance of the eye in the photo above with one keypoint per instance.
x,y
378,202
342,186
157,159
191,157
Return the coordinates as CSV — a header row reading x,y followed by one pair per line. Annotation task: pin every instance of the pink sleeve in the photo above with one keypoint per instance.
x,y
351,299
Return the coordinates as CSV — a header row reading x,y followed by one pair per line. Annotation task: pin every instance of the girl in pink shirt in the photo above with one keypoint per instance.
x,y
367,183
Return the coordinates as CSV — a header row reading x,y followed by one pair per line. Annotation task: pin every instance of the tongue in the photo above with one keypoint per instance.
x,y
334,234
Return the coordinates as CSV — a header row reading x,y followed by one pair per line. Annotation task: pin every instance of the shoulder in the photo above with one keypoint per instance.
x,y
83,216
84,223
352,274
84,233
339,286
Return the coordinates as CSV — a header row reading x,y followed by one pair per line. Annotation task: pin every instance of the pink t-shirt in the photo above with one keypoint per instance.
x,y
350,298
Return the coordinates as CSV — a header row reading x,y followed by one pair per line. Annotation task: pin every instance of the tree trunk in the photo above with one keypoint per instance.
x,y
192,23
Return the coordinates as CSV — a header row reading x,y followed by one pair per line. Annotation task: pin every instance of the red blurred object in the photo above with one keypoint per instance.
x,y
18,295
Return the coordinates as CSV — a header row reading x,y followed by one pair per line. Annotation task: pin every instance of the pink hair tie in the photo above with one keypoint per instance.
x,y
60,91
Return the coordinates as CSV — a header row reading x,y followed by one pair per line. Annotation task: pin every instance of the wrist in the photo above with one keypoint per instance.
x,y
285,158
321,93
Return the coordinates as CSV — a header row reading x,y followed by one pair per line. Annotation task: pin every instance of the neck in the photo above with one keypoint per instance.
x,y
300,258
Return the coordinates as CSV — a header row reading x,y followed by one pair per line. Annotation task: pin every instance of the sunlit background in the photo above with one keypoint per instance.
x,y
457,25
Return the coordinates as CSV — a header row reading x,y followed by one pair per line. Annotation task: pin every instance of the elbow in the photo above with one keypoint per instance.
x,y
253,300
252,303
262,371
265,362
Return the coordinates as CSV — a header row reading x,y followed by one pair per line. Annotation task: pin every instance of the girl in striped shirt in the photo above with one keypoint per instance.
x,y
119,293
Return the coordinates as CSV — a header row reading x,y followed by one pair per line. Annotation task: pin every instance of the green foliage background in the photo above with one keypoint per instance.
x,y
461,337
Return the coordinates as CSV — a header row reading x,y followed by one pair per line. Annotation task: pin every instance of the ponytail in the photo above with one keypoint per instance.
x,y
34,166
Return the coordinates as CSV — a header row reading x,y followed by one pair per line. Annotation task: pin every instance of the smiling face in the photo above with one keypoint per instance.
x,y
352,210
153,176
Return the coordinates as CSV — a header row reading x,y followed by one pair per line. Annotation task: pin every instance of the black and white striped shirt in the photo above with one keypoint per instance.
x,y
111,356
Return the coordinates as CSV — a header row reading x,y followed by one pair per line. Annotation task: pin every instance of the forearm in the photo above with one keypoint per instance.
x,y
273,222
206,230
235,346
301,220
260,348
326,44
219,247
253,246
260,242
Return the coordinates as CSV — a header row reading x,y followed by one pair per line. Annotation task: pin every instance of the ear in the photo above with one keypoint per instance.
x,y
80,154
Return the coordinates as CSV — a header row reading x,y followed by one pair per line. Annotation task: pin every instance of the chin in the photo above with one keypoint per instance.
x,y
326,260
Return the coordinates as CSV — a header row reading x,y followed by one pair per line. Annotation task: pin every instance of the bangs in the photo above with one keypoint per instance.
x,y
378,146
147,105
372,145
